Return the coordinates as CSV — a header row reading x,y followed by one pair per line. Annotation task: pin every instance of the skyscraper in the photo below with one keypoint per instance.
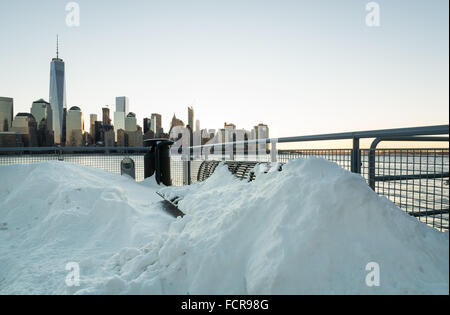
x,y
6,113
57,93
74,127
25,125
42,113
147,124
156,124
41,110
197,125
122,104
130,122
105,118
93,119
191,117
122,109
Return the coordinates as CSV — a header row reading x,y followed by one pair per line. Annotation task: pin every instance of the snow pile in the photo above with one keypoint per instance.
x,y
57,212
311,228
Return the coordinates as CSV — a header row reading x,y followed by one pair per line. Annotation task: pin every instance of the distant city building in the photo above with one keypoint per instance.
x,y
122,104
106,117
92,120
191,117
57,94
261,131
197,125
41,110
148,135
98,133
119,121
6,113
122,140
135,139
176,122
108,136
74,127
229,126
63,134
129,138
122,108
147,122
25,125
130,122
10,139
156,124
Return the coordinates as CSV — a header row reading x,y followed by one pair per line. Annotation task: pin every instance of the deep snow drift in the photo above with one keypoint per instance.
x,y
311,228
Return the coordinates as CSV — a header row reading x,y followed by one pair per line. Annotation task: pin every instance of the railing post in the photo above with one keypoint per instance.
x,y
356,157
273,151
372,152
191,153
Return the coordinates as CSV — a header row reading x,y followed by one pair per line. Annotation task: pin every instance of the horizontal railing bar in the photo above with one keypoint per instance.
x,y
388,178
73,149
398,132
427,213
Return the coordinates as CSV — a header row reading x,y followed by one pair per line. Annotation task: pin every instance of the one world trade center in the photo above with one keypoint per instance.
x,y
57,94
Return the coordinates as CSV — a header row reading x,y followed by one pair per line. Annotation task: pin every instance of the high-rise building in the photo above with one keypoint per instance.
x,y
122,104
191,117
122,109
176,122
25,125
197,125
57,94
6,113
261,131
106,117
108,136
42,113
92,120
98,137
130,138
74,127
41,110
156,124
119,121
147,123
130,122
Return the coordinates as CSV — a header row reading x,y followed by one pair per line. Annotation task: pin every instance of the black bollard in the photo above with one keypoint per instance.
x,y
150,157
163,163
157,160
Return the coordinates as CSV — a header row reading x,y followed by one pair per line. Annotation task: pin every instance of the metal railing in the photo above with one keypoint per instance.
x,y
416,179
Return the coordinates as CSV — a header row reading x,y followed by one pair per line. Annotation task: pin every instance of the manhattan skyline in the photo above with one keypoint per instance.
x,y
302,67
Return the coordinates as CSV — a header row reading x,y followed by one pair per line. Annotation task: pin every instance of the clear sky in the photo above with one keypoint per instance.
x,y
302,67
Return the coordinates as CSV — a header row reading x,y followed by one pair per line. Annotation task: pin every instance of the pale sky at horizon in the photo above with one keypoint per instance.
x,y
302,67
